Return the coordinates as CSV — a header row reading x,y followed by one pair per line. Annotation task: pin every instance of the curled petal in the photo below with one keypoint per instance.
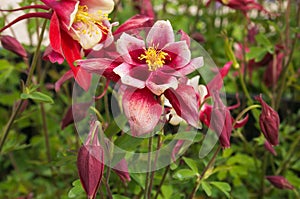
x,y
184,101
132,76
142,110
158,82
160,34
241,122
53,56
135,22
68,75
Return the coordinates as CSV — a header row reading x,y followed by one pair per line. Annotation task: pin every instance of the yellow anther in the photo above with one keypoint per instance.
x,y
154,58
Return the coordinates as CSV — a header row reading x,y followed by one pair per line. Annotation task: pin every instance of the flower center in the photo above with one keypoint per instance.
x,y
89,19
154,58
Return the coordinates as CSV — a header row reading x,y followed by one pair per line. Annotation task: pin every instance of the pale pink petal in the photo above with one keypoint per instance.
x,y
142,110
179,52
184,101
192,66
158,82
160,34
131,75
100,66
106,6
128,44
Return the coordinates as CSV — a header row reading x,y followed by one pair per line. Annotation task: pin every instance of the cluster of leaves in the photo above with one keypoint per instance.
x,y
39,159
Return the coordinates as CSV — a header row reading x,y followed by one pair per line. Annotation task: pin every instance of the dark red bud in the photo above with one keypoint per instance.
x,y
13,45
269,122
279,182
90,163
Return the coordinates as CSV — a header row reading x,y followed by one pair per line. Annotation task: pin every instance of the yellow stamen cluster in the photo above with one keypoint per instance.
x,y
83,16
154,58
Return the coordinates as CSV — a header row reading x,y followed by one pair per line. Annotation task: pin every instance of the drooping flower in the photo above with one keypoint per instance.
x,y
269,122
13,45
121,169
74,25
280,182
217,116
90,162
148,70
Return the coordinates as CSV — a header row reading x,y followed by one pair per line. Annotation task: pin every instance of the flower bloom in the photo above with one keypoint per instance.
x,y
74,25
149,69
269,122
280,182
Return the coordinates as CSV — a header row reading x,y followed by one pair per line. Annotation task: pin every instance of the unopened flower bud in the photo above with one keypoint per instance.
x,y
90,162
13,45
269,122
279,182
121,169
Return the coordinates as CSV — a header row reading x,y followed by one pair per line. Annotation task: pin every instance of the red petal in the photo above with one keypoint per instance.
x,y
142,110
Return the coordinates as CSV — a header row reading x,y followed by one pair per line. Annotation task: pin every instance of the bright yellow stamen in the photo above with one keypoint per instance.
x,y
83,16
225,1
154,58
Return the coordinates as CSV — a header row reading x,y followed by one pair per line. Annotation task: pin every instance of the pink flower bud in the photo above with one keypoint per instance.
x,y
279,182
270,148
121,169
221,121
13,45
90,162
269,122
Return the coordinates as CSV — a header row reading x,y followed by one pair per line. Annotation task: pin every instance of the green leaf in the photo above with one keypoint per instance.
x,y
37,96
76,190
116,196
263,40
222,186
256,53
206,187
191,163
115,126
128,142
184,174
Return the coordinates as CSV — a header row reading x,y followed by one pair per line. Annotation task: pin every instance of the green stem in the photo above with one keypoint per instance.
x,y
159,143
162,181
148,169
46,134
289,156
244,87
198,182
31,71
109,194
262,178
240,115
284,73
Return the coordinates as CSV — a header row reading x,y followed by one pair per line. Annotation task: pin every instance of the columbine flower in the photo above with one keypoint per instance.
x,y
280,182
269,122
148,70
74,24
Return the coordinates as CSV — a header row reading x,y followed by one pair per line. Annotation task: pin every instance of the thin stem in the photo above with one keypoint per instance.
x,y
16,110
109,194
45,130
240,115
284,73
262,178
148,168
162,181
244,87
288,158
198,182
159,143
